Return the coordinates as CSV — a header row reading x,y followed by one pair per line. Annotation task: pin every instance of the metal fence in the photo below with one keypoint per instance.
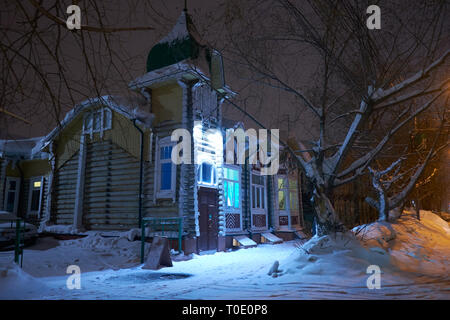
x,y
171,228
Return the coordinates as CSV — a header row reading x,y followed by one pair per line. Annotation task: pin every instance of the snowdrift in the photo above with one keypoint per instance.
x,y
408,247
17,284
421,247
413,257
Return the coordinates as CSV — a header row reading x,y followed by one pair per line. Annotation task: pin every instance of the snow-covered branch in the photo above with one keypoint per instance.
x,y
381,95
397,199
413,95
365,160
334,161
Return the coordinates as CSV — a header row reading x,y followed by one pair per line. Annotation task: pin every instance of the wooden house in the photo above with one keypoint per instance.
x,y
108,165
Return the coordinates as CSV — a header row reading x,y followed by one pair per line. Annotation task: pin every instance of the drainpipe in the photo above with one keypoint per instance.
x,y
48,208
269,204
141,169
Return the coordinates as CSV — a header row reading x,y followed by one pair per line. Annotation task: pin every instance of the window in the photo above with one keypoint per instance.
x,y
166,167
287,195
231,188
12,194
258,192
97,120
232,198
207,174
282,193
293,194
35,195
165,170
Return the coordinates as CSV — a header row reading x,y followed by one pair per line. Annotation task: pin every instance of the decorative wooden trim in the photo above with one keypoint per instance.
x,y
256,211
241,193
30,195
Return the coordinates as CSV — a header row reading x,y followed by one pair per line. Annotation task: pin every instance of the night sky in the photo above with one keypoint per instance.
x,y
274,108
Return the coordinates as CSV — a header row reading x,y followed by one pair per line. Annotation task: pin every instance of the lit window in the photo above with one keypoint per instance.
x,y
287,193
293,194
35,196
207,174
282,192
231,188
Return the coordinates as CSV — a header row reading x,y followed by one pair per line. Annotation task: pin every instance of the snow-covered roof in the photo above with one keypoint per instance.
x,y
22,148
130,107
179,32
182,53
181,43
186,69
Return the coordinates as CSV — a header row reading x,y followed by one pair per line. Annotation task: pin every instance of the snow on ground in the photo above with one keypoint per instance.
x,y
413,257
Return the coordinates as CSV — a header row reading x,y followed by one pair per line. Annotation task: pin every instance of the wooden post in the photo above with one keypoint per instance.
x,y
78,212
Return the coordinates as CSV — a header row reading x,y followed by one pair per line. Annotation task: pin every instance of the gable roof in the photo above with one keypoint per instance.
x,y
130,107
18,148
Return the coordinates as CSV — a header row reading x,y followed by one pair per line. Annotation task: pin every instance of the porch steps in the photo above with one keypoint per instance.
x,y
299,234
243,242
268,237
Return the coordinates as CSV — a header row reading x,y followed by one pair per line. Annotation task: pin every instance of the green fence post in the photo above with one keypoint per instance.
x,y
17,244
142,240
179,235
22,246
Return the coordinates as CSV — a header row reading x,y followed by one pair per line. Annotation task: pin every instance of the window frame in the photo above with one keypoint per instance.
x,y
264,193
286,190
214,179
30,195
169,193
232,209
286,212
293,190
238,169
105,120
16,193
258,211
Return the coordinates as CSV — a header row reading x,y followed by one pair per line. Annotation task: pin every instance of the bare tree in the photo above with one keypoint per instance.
x,y
365,86
46,69
394,184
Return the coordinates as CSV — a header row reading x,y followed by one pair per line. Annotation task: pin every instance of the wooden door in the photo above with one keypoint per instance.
x,y
208,219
